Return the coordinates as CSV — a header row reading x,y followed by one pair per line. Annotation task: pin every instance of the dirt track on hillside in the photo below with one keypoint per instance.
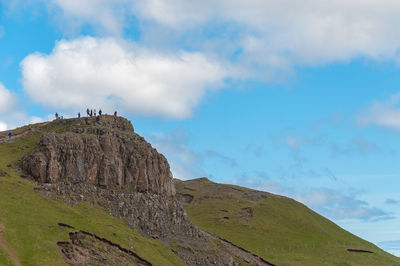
x,y
4,134
10,253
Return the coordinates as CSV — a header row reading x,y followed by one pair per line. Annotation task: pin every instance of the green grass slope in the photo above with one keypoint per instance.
x,y
29,219
279,229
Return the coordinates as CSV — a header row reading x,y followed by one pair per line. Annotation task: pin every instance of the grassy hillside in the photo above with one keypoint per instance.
x,y
279,229
276,228
28,220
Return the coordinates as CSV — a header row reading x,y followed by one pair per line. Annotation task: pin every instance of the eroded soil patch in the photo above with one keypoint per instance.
x,y
246,213
359,250
3,173
89,249
185,198
4,246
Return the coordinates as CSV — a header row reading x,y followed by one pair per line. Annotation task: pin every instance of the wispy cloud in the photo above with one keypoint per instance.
x,y
186,163
382,113
357,145
334,204
341,205
391,247
256,150
392,201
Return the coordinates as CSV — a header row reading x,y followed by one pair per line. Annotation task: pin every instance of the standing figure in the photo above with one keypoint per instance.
x,y
91,112
79,115
87,112
56,115
100,112
94,112
115,113
10,135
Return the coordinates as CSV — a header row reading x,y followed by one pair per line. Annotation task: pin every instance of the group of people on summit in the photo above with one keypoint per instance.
x,y
89,113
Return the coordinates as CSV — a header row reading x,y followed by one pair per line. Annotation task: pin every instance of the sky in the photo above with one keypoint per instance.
x,y
297,98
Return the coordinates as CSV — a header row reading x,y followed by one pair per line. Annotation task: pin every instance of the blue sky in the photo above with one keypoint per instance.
x,y
293,98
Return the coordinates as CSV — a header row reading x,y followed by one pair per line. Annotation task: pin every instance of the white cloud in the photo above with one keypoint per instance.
x,y
6,99
114,74
385,114
3,126
267,34
11,114
305,31
103,13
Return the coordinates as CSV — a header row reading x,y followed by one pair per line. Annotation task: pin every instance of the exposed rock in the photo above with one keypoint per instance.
x,y
3,173
88,249
106,121
184,198
101,161
100,156
153,215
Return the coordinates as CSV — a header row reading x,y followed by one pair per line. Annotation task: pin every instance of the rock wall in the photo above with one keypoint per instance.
x,y
106,121
101,161
107,154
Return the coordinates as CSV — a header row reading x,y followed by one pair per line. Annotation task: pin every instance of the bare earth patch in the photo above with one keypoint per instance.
x,y
88,249
4,246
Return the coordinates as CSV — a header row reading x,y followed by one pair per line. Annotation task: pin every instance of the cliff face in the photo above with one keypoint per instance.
x,y
102,151
101,161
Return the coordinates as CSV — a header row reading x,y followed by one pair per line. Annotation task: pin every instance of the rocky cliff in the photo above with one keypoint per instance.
x,y
101,161
103,151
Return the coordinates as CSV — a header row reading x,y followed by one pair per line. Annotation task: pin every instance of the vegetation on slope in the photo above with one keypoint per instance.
x,y
29,219
278,229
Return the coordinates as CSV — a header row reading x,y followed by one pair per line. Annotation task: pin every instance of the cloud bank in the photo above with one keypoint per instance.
x,y
266,31
112,74
262,39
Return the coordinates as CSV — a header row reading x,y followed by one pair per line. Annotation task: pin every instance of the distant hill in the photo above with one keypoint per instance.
x,y
274,227
91,191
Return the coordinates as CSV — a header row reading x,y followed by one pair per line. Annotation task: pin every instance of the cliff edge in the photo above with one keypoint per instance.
x,y
103,151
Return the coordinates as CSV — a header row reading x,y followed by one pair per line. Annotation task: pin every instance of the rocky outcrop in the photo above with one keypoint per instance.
x,y
105,121
153,215
102,162
102,151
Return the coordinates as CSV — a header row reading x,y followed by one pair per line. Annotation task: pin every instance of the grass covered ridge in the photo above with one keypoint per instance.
x,y
29,219
279,229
